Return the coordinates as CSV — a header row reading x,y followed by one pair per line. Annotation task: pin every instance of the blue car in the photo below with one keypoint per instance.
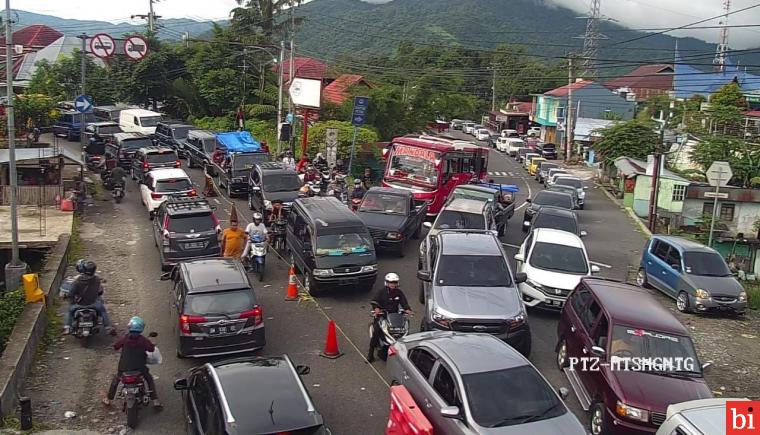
x,y
68,124
696,276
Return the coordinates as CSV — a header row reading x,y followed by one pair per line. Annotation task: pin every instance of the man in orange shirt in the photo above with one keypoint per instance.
x,y
233,238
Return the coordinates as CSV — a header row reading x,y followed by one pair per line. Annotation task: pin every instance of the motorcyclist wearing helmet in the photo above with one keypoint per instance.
x,y
311,174
320,162
86,292
388,299
133,346
359,191
257,226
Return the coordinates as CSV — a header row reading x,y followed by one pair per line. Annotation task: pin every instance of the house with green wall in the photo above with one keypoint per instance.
x,y
635,178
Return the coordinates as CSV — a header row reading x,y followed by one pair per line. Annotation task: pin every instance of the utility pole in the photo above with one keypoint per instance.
x,y
568,109
291,73
657,159
241,120
493,89
151,17
16,268
83,115
281,66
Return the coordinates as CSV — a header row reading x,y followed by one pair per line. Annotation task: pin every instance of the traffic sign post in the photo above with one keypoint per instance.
x,y
718,174
135,47
83,104
331,147
102,46
358,118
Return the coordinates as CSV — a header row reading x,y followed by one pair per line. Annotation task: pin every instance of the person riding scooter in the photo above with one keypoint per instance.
x,y
359,190
257,226
134,347
86,292
311,175
388,299
320,162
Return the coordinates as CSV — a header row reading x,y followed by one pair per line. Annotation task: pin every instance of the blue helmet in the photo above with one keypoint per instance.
x,y
136,324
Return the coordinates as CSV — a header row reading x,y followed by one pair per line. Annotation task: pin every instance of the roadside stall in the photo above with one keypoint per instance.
x,y
45,175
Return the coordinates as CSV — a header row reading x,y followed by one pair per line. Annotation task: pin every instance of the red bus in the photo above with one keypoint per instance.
x,y
431,167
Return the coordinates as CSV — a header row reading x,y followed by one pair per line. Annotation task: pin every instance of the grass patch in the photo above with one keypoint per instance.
x,y
53,328
753,294
12,422
98,191
76,246
11,305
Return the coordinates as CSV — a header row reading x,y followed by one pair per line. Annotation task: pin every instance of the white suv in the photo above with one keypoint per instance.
x,y
554,262
482,134
160,184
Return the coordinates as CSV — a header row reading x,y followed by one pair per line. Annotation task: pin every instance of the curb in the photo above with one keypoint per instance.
x,y
30,326
640,225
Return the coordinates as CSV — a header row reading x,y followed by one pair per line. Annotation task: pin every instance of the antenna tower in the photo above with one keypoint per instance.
x,y
722,48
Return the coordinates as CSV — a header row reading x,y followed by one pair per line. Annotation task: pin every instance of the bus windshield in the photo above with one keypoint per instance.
x,y
414,164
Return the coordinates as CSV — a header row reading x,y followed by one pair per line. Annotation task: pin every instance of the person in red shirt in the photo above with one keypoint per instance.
x,y
302,164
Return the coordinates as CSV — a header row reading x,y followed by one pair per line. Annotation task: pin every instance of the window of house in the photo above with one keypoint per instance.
x,y
707,208
727,212
679,192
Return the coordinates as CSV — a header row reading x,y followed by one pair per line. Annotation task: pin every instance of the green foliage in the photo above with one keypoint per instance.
x,y
634,138
727,106
317,135
61,80
743,157
220,123
33,110
11,305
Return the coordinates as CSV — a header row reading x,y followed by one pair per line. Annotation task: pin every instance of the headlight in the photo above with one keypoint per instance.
x,y
702,294
441,320
268,204
743,297
628,411
370,268
581,194
534,284
394,235
323,272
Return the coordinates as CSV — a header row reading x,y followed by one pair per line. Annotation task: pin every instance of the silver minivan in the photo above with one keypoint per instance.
x,y
696,417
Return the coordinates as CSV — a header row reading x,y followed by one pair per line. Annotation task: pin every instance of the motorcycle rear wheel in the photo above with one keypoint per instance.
x,y
132,415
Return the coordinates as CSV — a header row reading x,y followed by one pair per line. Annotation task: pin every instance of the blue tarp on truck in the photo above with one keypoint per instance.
x,y
238,142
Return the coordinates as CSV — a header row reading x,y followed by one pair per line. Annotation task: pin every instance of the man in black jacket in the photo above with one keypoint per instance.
x,y
86,292
389,299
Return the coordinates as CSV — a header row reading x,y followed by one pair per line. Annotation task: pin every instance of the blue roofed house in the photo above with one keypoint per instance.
x,y
689,81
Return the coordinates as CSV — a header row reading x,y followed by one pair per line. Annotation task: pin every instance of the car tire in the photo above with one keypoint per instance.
x,y
562,361
423,328
682,302
599,422
582,206
422,294
641,278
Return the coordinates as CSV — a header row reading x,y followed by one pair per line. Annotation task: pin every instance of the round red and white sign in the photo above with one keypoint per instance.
x,y
102,46
135,47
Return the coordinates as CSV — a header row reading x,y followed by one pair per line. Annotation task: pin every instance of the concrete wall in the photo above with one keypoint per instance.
x,y
745,214
664,199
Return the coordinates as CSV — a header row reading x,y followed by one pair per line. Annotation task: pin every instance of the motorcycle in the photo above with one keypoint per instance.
x,y
85,324
278,234
326,179
257,254
134,391
117,191
393,327
314,189
355,203
94,161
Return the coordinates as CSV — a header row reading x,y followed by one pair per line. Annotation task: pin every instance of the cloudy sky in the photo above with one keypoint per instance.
x,y
631,13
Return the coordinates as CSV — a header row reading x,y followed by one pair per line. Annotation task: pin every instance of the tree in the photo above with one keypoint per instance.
x,y
61,80
726,108
743,157
634,138
33,110
318,134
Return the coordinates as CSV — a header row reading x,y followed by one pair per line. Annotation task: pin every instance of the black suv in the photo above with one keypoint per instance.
x,y
548,151
542,198
217,310
559,219
170,134
272,181
124,146
466,285
150,158
217,398
185,229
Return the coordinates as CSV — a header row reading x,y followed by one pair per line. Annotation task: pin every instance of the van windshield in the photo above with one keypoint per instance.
x,y
668,353
149,121
336,245
705,264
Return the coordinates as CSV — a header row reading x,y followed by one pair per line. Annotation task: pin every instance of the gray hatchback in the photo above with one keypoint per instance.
x,y
476,384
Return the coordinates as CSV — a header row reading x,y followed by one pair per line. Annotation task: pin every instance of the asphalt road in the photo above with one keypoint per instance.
x,y
349,392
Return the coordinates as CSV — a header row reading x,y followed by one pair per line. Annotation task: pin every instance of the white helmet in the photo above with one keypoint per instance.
x,y
392,277
257,216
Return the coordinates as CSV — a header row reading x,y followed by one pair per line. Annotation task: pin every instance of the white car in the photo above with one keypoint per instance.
x,y
509,133
514,144
468,126
534,131
552,176
482,134
698,417
159,184
554,262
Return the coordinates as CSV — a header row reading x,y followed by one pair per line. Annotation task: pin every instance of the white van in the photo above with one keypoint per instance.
x,y
139,121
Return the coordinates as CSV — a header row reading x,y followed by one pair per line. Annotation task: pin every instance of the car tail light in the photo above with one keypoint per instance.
x,y
256,313
146,165
131,379
155,195
185,321
177,164
192,193
392,350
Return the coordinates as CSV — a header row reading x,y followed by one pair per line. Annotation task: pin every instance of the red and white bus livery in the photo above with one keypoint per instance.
x,y
431,167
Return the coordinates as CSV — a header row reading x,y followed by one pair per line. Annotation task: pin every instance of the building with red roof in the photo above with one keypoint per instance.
x,y
644,82
337,92
34,37
304,67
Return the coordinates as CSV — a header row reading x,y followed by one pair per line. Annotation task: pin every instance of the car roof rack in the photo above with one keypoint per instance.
x,y
180,203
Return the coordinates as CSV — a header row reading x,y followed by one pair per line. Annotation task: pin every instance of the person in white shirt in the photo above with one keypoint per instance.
x,y
289,161
257,226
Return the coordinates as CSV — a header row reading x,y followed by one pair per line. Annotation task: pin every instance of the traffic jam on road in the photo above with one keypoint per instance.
x,y
465,277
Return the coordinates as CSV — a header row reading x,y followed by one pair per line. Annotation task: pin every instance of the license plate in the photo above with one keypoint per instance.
x,y
132,390
347,281
194,245
221,330
559,304
85,324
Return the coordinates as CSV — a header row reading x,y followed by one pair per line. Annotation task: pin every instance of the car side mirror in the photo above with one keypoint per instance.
x,y
256,189
563,392
166,276
585,187
595,268
450,412
528,200
519,257
424,275
303,370
520,277
584,233
598,351
181,384
676,267
427,225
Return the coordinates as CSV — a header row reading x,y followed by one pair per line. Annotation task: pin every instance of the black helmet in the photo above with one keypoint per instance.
x,y
80,265
89,268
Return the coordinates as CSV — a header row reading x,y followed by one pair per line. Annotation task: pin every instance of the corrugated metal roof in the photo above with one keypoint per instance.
x,y
631,167
63,46
585,126
735,194
36,35
337,91
657,76
563,90
23,154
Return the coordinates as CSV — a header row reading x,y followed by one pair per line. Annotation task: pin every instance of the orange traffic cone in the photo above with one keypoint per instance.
x,y
331,345
292,286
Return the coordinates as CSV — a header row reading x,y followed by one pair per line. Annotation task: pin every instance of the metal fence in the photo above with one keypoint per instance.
x,y
31,195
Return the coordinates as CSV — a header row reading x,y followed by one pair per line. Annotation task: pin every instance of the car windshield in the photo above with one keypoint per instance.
x,y
173,185
557,199
546,166
473,271
573,182
136,143
570,190
193,223
281,183
558,222
221,303
705,264
473,194
414,168
149,121
511,397
109,129
458,220
336,245
247,161
162,157
181,132
388,204
630,342
559,258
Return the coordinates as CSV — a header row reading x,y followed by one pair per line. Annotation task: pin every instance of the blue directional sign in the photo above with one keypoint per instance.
x,y
359,115
83,104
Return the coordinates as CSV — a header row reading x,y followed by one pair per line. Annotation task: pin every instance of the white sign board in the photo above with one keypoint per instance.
x,y
331,139
306,92
719,195
719,174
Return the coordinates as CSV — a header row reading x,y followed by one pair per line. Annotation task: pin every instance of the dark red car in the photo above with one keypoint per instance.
x,y
626,356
